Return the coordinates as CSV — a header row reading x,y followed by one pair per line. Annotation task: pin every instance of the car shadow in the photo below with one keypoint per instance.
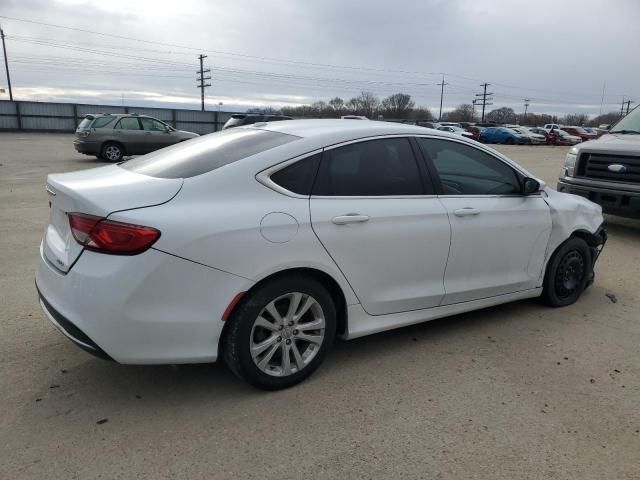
x,y
97,381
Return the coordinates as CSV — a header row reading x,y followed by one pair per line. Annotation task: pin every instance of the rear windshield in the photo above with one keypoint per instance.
x,y
86,121
201,155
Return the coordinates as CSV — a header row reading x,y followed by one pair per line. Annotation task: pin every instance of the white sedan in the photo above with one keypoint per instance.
x,y
261,244
456,131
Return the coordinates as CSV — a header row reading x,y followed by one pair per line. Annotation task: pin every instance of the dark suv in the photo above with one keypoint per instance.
x,y
111,137
239,119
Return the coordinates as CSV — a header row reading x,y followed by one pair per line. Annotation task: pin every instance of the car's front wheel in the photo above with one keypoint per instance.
x,y
281,332
568,273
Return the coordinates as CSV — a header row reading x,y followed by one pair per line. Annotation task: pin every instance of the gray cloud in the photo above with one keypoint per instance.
x,y
556,53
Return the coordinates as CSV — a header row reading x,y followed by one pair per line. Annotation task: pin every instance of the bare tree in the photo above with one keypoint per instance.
x,y
575,119
366,104
421,113
463,113
605,119
338,106
398,105
501,115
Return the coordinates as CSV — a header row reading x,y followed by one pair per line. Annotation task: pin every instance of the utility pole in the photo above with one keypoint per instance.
x,y
6,64
629,102
526,107
622,107
442,84
202,79
484,99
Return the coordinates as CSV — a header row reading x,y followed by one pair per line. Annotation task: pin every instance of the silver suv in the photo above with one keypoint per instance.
x,y
111,137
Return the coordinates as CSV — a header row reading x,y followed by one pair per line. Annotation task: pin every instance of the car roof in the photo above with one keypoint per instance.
x,y
330,131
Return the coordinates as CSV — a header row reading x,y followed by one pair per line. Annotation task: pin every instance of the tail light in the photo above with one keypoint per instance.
x,y
108,236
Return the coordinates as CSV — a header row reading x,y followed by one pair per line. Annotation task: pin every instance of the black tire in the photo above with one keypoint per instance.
x,y
568,273
239,333
112,152
509,141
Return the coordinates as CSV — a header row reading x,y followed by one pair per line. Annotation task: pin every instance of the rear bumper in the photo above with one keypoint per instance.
x,y
86,147
612,201
144,309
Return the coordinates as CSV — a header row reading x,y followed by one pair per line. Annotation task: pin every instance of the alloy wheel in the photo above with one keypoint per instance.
x,y
287,334
112,152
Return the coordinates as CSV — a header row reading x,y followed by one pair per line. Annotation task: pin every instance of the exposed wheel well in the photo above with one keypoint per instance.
x,y
325,279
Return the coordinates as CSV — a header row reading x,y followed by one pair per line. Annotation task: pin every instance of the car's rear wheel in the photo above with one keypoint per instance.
x,y
509,141
112,152
568,273
280,333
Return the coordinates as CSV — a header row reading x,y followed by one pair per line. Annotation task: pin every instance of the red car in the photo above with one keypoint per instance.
x,y
580,132
475,132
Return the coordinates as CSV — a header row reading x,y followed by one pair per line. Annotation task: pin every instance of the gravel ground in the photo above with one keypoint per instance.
x,y
515,391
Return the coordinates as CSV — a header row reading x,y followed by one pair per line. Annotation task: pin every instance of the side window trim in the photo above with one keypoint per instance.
x,y
437,182
264,176
428,188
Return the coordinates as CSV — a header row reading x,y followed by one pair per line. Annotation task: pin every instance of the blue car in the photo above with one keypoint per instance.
x,y
502,135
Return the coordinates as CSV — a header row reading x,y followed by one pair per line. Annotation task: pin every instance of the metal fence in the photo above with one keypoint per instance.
x,y
65,117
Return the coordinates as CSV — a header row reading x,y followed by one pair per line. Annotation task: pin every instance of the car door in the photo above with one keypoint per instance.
x,y
157,135
498,235
374,210
129,132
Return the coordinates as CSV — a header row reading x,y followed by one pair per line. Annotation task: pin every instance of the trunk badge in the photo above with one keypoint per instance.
x,y
617,168
50,191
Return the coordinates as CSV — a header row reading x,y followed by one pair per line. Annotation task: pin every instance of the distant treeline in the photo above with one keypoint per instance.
x,y
400,106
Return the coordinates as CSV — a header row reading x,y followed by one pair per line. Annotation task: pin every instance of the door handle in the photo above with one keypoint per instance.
x,y
350,218
147,133
466,212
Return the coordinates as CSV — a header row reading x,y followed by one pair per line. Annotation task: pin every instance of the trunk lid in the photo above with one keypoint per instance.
x,y
99,191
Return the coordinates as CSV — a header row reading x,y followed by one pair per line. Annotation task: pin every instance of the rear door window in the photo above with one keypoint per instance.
x,y
207,153
128,123
371,168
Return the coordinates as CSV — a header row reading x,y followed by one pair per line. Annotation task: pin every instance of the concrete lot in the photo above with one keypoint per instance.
x,y
516,391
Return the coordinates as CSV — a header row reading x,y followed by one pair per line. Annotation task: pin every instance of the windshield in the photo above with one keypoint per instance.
x,y
630,123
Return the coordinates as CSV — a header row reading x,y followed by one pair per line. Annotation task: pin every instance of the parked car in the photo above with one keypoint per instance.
x,y
552,126
450,124
580,132
532,137
433,125
260,244
475,132
240,119
606,170
502,135
456,131
565,138
111,137
354,117
541,131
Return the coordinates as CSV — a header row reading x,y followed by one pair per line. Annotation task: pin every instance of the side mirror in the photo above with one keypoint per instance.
x,y
531,186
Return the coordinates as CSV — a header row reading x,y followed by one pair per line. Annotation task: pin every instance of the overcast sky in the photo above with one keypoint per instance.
x,y
556,53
